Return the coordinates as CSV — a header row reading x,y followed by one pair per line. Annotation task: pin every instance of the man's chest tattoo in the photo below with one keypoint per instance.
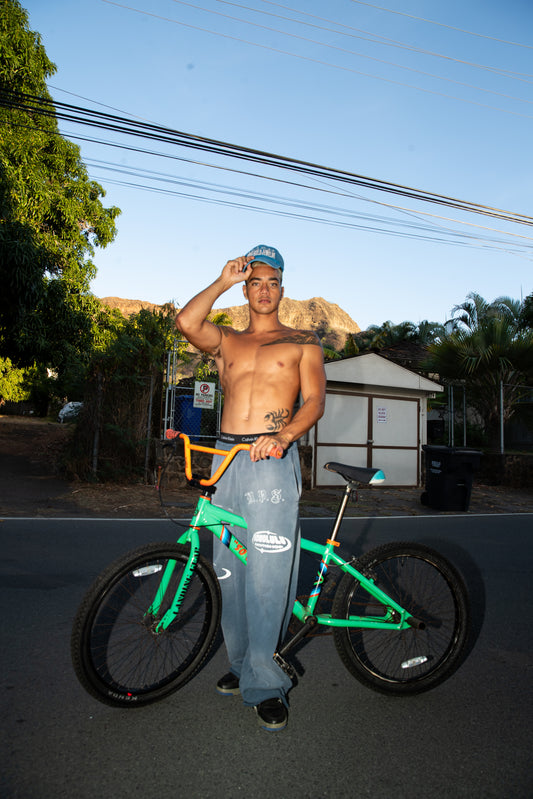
x,y
276,420
298,337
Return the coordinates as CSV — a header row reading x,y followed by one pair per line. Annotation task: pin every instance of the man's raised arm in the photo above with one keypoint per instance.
x,y
192,321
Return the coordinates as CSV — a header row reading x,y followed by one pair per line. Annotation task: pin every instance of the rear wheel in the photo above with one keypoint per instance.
x,y
118,655
407,661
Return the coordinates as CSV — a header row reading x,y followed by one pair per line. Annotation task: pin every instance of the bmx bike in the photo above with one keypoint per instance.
x,y
399,617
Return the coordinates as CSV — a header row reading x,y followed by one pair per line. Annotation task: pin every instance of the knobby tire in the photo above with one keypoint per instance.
x,y
413,660
118,656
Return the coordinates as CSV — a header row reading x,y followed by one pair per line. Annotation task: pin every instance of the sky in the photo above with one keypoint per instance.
x,y
436,96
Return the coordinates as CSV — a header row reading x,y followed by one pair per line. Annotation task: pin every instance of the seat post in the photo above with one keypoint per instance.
x,y
342,507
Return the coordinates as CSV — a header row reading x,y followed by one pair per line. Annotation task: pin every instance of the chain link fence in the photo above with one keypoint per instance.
x,y
183,413
453,421
191,406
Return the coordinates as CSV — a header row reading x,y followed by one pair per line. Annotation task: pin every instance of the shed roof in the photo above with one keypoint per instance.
x,y
371,369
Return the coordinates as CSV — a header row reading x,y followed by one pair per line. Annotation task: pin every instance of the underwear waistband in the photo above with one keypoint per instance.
x,y
246,438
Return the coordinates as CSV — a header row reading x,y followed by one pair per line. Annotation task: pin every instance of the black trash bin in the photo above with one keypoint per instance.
x,y
449,474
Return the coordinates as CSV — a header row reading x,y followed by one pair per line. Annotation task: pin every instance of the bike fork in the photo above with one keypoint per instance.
x,y
155,608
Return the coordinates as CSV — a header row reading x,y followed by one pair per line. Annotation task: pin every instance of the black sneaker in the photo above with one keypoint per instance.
x,y
228,684
273,715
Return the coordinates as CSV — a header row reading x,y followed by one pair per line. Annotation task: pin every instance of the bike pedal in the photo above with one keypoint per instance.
x,y
285,666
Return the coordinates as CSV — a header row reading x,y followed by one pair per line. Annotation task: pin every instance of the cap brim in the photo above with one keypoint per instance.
x,y
264,259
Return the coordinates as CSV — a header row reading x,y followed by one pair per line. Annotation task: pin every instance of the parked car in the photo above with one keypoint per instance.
x,y
69,411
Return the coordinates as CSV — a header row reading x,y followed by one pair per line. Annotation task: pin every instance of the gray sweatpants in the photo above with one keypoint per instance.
x,y
257,598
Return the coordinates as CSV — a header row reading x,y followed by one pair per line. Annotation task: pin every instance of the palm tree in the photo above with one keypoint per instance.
x,y
472,312
377,337
526,312
488,347
428,332
220,318
330,354
350,347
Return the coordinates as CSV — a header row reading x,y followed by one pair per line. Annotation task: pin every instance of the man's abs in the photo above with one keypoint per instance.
x,y
260,376
261,385
263,410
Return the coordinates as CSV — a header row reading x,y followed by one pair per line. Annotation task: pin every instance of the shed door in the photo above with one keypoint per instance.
x,y
368,430
395,439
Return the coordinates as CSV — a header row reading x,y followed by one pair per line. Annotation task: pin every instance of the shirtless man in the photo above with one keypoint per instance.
x,y
262,370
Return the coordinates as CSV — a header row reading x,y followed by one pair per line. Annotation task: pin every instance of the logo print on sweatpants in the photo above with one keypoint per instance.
x,y
265,541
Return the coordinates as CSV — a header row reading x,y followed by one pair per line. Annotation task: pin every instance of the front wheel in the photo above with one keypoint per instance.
x,y
118,655
413,660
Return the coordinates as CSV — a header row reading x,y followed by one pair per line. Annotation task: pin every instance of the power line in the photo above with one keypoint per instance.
x,y
98,119
409,212
96,102
274,205
292,183
315,219
352,52
321,184
376,37
318,61
334,217
247,194
441,24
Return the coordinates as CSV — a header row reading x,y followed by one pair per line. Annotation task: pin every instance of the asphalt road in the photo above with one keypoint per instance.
x,y
470,737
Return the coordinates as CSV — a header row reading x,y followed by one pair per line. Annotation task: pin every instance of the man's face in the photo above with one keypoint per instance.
x,y
263,289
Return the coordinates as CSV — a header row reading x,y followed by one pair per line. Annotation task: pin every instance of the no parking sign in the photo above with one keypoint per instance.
x,y
204,395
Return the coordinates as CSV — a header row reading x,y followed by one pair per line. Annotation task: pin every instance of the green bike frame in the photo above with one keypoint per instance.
x,y
216,519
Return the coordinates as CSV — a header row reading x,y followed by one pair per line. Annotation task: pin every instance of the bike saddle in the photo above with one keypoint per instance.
x,y
356,474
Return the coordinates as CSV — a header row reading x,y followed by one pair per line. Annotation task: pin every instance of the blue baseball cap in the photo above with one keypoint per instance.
x,y
267,255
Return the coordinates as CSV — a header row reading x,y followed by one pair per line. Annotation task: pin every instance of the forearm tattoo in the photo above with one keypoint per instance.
x,y
276,420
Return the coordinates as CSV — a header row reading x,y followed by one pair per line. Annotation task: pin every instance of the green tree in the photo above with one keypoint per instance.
x,y
330,354
122,399
526,313
427,332
376,337
487,347
51,215
220,318
13,386
350,348
388,334
404,343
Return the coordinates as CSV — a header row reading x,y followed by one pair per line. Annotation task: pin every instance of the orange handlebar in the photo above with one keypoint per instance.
x,y
228,455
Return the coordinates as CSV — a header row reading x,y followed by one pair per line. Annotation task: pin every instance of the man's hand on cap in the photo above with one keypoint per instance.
x,y
238,269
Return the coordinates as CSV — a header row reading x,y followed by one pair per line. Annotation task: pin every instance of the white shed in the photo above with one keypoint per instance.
x,y
375,415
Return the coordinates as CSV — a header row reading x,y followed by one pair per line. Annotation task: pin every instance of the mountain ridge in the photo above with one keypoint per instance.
x,y
327,319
